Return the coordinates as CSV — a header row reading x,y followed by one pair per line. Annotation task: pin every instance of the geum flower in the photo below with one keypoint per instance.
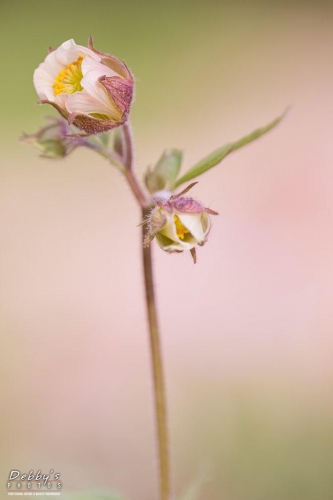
x,y
90,89
179,223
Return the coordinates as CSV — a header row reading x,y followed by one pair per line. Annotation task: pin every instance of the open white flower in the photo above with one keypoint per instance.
x,y
178,223
91,89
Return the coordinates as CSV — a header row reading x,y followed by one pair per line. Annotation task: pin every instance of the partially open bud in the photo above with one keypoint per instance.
x,y
179,223
53,140
91,89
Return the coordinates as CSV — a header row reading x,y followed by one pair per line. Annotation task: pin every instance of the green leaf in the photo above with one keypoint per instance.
x,y
217,156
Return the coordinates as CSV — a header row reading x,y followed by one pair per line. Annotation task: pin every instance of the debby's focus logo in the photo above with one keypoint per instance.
x,y
33,483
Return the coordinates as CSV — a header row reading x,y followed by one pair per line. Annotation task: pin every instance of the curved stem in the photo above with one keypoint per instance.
x,y
157,366
128,141
129,172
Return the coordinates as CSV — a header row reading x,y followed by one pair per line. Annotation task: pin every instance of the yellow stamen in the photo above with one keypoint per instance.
x,y
69,79
180,228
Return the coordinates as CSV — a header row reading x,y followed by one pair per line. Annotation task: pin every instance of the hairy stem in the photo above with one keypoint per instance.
x,y
155,346
158,378
129,172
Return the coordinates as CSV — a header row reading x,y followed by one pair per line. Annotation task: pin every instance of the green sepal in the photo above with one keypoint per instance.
x,y
104,138
52,148
168,166
219,154
153,181
164,173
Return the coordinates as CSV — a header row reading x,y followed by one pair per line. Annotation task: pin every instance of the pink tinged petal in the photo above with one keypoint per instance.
x,y
57,60
111,62
43,82
93,87
89,64
120,91
51,65
69,52
60,100
84,103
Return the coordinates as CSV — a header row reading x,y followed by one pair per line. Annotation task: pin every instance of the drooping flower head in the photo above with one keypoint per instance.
x,y
179,223
91,89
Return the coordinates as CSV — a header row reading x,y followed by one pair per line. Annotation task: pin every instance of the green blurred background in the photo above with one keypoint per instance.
x,y
247,332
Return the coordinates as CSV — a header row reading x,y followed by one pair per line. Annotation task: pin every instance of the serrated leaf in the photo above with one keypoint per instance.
x,y
219,154
168,166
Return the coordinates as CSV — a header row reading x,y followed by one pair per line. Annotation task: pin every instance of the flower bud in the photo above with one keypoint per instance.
x,y
90,89
53,140
179,223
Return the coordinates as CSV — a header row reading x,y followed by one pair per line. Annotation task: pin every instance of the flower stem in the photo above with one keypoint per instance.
x,y
155,346
157,367
129,172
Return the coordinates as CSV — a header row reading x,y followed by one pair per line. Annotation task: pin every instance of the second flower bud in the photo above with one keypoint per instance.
x,y
179,223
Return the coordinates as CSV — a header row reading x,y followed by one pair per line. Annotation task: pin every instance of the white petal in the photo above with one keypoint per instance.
x,y
169,230
51,65
98,96
91,85
82,102
174,246
205,219
69,52
89,64
193,223
61,100
184,245
43,82
46,73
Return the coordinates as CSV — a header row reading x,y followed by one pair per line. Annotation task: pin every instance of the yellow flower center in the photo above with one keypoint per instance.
x,y
180,228
69,79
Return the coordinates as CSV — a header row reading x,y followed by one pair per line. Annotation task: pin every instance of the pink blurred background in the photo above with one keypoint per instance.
x,y
247,332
